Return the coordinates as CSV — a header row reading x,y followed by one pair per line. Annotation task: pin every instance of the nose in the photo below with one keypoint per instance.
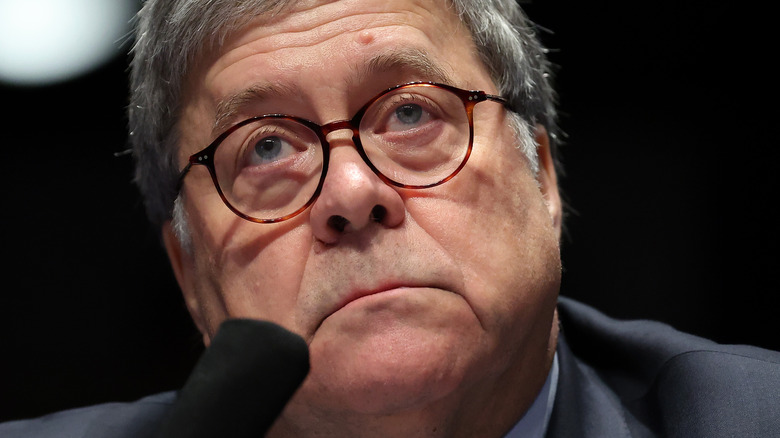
x,y
353,197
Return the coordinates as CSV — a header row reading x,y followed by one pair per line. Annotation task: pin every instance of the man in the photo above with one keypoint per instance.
x,y
327,167
412,324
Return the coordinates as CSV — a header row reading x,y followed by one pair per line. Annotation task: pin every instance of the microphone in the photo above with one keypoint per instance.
x,y
240,384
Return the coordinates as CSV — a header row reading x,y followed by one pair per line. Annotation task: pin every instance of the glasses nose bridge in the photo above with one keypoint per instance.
x,y
354,127
339,125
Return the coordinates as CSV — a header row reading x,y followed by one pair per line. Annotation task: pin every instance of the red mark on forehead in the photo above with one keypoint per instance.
x,y
365,37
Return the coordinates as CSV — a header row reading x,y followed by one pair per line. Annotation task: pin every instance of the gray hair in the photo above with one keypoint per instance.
x,y
172,34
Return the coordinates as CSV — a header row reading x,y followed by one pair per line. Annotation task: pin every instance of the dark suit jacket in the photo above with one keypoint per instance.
x,y
139,419
645,379
617,379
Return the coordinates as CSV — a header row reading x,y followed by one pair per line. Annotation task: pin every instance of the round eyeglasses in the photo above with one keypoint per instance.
x,y
271,168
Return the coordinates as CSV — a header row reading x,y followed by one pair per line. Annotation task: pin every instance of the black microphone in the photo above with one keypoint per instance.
x,y
241,383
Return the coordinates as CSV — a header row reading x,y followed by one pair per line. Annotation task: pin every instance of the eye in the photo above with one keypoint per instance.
x,y
407,116
266,145
405,119
270,149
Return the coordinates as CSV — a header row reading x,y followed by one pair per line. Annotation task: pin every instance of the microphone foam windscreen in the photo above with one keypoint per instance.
x,y
241,383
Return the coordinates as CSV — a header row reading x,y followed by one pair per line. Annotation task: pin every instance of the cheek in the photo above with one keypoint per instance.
x,y
479,208
494,223
246,274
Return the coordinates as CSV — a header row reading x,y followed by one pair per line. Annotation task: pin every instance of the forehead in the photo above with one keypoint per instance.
x,y
313,38
341,52
302,23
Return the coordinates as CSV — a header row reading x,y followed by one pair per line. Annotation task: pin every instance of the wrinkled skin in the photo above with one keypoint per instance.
x,y
438,320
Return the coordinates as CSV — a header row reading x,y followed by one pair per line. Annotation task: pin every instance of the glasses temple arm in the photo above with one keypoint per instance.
x,y
496,98
182,174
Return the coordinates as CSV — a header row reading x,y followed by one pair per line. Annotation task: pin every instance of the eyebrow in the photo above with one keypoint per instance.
x,y
228,107
416,61
408,59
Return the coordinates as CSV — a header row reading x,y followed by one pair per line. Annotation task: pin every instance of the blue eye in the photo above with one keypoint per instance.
x,y
408,117
409,114
272,143
268,148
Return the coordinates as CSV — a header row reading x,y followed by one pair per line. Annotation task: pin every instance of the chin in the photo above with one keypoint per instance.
x,y
394,352
387,373
384,392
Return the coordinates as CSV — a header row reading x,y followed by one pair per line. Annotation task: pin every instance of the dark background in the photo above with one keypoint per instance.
x,y
670,117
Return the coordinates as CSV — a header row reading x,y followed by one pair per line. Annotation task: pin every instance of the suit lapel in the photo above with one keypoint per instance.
x,y
584,406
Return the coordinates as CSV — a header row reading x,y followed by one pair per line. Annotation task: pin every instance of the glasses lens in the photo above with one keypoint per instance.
x,y
270,167
416,135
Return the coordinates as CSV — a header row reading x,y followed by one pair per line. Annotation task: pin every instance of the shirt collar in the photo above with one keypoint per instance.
x,y
535,420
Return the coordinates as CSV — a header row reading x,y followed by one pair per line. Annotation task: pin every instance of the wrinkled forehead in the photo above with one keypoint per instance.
x,y
223,25
286,58
321,38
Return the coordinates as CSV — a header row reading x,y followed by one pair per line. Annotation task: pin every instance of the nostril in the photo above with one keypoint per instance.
x,y
338,223
378,213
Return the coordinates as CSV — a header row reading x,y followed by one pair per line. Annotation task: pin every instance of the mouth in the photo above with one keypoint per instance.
x,y
359,295
389,288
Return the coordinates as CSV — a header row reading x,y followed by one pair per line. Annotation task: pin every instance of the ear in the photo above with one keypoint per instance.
x,y
183,268
548,180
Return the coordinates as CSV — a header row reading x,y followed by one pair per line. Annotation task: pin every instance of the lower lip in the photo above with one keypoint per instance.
x,y
387,293
390,294
411,301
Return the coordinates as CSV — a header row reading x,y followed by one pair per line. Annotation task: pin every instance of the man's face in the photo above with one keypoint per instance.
x,y
450,294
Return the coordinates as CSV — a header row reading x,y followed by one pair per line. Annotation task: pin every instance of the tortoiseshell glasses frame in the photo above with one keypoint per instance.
x,y
271,168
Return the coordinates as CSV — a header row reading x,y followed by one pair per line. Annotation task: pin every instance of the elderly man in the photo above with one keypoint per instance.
x,y
378,177
414,247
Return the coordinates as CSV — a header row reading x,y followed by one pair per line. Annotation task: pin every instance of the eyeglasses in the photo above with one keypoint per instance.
x,y
271,168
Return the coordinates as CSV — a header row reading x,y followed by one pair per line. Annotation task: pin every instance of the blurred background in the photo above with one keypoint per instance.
x,y
671,175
